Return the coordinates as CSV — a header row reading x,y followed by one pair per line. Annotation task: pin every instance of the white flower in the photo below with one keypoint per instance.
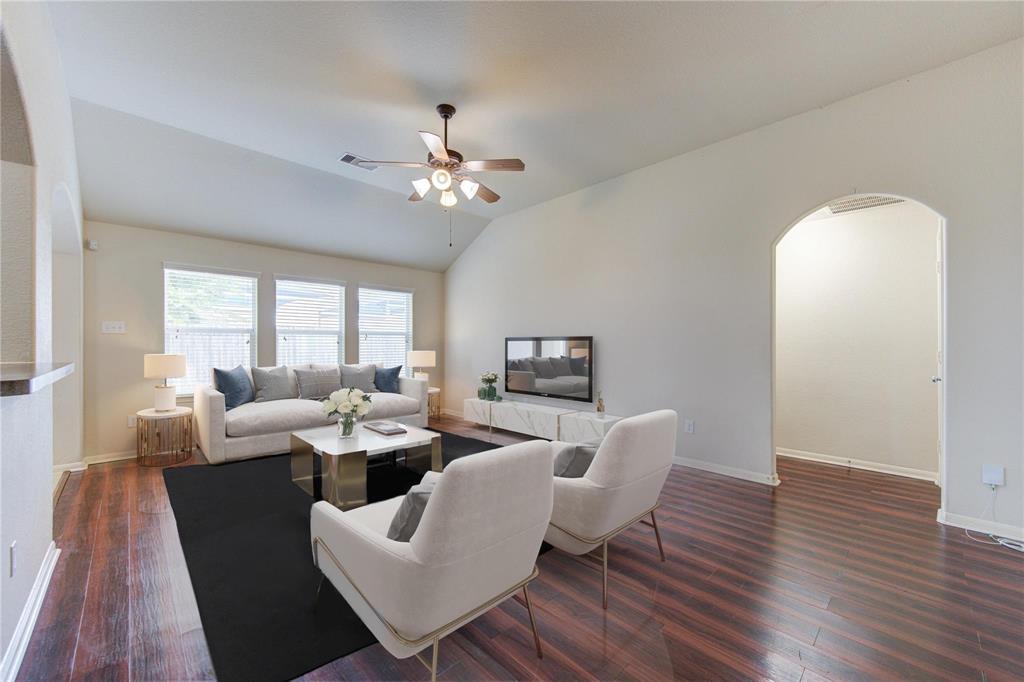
x,y
345,407
363,408
355,394
329,406
337,396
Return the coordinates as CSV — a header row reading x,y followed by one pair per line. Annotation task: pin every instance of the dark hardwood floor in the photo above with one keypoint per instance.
x,y
838,574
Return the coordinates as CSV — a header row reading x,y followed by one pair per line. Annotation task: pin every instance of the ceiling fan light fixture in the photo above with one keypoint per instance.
x,y
469,187
422,186
448,198
441,179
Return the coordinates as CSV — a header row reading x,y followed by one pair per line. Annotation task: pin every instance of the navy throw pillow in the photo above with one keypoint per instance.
x,y
235,385
386,380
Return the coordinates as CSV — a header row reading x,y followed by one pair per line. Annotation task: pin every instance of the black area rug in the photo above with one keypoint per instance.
x,y
244,528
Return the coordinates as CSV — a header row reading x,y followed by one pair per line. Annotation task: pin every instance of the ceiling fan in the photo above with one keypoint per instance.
x,y
447,167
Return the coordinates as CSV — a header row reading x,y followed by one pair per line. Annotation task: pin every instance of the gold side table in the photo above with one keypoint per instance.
x,y
163,438
434,402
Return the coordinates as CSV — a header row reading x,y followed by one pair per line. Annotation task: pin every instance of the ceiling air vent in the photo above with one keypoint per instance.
x,y
858,203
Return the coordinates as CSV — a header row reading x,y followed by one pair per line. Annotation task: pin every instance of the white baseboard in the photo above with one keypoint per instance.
x,y
860,464
717,468
1003,530
26,623
59,469
108,457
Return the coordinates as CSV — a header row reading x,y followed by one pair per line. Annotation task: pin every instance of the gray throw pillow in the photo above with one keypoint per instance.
x,y
408,516
359,376
574,462
561,367
317,384
272,384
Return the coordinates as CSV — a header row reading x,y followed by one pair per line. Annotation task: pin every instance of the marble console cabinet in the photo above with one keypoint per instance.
x,y
543,421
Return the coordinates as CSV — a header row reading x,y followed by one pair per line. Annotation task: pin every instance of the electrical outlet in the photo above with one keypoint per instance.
x,y
992,474
113,327
132,421
14,558
689,426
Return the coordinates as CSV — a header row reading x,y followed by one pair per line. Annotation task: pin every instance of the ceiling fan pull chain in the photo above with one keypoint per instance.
x,y
450,231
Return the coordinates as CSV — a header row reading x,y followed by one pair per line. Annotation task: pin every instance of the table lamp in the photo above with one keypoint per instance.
x,y
164,366
421,358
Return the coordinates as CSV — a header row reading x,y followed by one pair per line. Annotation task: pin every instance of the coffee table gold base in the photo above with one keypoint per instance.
x,y
341,479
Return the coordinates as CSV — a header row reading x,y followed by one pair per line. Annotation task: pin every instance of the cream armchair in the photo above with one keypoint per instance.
x,y
620,488
475,546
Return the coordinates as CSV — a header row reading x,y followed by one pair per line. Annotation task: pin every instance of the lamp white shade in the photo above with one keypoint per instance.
x,y
163,365
421,358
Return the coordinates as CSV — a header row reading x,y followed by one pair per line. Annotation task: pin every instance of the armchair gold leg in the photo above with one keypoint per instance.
x,y
657,534
604,572
533,621
433,665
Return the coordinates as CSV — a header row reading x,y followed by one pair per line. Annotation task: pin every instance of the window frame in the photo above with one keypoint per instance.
x,y
212,270
343,318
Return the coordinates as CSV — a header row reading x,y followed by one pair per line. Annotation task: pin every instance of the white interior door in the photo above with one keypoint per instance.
x,y
937,379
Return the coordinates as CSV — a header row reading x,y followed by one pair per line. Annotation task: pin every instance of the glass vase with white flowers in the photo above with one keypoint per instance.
x,y
349,404
488,390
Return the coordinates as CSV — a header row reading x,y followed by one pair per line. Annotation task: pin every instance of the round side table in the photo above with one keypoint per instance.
x,y
433,402
163,438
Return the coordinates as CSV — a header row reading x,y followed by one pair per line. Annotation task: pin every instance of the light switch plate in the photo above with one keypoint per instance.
x,y
115,327
689,426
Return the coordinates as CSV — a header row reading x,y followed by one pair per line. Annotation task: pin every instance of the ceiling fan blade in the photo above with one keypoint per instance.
x,y
494,165
435,144
486,193
415,196
367,164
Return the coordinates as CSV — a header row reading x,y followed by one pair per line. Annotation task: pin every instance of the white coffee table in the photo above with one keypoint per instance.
x,y
334,469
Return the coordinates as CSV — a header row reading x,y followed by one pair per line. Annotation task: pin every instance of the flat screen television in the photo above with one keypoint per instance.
x,y
550,366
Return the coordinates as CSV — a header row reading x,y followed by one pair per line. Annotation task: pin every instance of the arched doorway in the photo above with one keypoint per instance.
x,y
848,364
66,330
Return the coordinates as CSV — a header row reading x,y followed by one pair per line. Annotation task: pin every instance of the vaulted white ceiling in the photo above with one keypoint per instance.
x,y
580,91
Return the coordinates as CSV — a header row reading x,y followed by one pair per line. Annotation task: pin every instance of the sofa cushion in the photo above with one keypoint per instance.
x,y
359,376
273,384
388,405
315,384
290,414
235,385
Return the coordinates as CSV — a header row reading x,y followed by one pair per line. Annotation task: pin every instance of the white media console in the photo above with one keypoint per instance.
x,y
543,421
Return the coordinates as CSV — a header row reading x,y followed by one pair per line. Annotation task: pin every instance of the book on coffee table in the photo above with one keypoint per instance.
x,y
385,428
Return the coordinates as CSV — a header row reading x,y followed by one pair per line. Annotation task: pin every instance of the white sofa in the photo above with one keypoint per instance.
x,y
258,429
475,546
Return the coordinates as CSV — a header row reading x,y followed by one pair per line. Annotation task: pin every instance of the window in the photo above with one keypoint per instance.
x,y
310,322
385,327
210,318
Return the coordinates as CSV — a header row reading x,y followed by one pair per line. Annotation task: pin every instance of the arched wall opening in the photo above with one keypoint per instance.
x,y
66,330
831,323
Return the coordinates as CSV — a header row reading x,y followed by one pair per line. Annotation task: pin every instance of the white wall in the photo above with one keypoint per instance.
x,y
26,449
67,347
856,337
669,267
124,282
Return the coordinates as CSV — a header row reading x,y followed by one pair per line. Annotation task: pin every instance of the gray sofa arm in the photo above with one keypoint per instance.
x,y
415,388
518,380
208,407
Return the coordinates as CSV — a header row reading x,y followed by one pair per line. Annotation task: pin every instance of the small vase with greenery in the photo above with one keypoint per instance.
x,y
488,391
348,404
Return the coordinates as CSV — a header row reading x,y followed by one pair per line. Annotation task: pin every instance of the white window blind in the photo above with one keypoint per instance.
x,y
210,318
385,327
310,322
